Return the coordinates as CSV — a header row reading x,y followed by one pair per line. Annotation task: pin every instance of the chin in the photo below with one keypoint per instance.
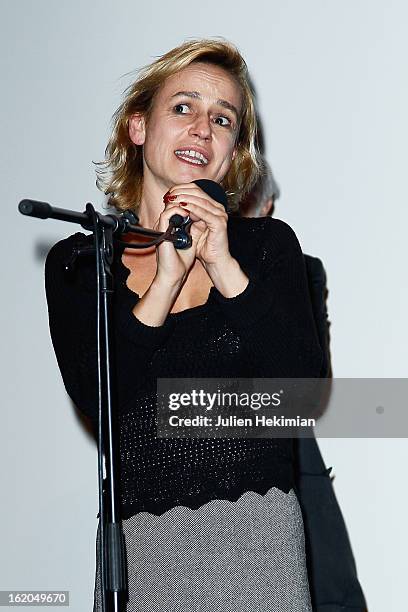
x,y
191,175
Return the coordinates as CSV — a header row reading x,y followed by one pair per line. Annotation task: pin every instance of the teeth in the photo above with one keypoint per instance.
x,y
194,156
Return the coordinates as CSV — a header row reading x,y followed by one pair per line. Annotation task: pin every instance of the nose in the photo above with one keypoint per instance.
x,y
201,127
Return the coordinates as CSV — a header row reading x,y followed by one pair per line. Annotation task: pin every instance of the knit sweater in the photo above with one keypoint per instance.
x,y
265,331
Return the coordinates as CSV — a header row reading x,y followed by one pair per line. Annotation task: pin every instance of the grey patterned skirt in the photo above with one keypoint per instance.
x,y
243,556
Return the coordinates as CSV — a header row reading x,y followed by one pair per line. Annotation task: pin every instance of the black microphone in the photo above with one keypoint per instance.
x,y
182,224
214,190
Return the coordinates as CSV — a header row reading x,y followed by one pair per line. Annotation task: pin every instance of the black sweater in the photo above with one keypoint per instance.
x,y
266,331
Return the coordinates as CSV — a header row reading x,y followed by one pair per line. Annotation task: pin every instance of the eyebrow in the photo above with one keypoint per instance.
x,y
196,94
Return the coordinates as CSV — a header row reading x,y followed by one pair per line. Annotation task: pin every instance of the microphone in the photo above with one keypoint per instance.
x,y
182,224
214,190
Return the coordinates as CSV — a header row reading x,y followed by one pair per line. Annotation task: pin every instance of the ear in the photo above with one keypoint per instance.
x,y
137,129
234,154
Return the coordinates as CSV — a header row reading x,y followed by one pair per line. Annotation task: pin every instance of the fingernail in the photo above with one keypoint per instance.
x,y
183,203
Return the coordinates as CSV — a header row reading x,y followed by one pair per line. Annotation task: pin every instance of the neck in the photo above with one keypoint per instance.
x,y
151,204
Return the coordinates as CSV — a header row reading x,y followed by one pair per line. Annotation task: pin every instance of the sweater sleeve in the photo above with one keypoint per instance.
x,y
71,300
317,282
273,315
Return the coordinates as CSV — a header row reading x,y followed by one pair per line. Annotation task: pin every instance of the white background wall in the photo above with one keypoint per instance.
x,y
332,85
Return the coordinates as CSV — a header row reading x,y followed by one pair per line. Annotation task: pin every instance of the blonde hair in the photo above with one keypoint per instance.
x,y
121,174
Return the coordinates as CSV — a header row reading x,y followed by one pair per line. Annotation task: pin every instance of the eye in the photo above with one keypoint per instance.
x,y
179,108
223,121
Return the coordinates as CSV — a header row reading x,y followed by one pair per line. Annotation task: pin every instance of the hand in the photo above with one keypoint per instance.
x,y
173,264
209,227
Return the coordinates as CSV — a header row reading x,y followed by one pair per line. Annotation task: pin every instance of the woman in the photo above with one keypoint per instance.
x,y
210,524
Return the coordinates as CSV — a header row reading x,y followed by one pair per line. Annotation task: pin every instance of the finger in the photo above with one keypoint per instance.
x,y
175,208
207,203
163,221
178,191
198,230
187,187
201,203
170,205
214,219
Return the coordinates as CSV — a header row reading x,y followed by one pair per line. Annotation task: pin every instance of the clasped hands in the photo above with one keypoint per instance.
x,y
209,241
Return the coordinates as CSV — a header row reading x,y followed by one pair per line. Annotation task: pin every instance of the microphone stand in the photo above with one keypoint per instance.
x,y
112,547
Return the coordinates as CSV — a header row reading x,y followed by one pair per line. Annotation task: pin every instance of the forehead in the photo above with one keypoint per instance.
x,y
211,82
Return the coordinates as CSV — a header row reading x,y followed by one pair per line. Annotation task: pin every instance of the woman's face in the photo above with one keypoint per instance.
x,y
193,127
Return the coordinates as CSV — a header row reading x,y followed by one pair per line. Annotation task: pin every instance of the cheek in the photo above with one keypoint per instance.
x,y
167,136
232,144
229,154
226,164
155,144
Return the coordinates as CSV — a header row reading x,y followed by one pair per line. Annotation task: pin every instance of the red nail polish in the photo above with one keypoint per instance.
x,y
183,203
171,198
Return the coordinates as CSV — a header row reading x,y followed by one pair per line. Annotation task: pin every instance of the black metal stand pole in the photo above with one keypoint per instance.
x,y
112,547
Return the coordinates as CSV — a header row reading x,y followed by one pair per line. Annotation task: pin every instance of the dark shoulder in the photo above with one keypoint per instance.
x,y
268,232
64,248
60,259
315,269
67,244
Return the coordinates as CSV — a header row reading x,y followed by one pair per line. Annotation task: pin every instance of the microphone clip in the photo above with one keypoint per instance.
x,y
180,236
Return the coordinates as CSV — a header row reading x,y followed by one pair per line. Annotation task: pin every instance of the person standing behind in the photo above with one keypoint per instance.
x,y
332,572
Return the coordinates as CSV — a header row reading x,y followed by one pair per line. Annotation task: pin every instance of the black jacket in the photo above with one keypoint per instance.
x,y
333,581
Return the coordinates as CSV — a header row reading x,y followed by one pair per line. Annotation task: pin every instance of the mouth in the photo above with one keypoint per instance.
x,y
191,156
